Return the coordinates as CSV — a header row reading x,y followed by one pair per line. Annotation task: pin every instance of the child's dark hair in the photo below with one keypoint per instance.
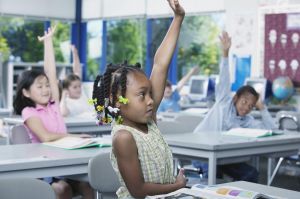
x,y
108,86
24,82
68,80
245,90
168,84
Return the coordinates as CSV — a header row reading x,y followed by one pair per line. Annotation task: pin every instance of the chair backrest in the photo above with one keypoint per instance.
x,y
19,135
102,176
288,120
25,188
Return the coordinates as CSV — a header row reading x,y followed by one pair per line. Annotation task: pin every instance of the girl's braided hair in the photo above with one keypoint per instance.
x,y
107,87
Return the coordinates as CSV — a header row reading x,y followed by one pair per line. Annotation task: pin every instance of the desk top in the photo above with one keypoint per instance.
x,y
214,141
25,157
5,112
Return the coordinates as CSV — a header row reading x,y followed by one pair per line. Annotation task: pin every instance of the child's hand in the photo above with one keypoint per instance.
x,y
47,34
64,94
225,42
180,179
176,7
259,105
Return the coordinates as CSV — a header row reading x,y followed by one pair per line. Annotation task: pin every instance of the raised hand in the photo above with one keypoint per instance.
x,y
259,104
176,7
47,34
225,43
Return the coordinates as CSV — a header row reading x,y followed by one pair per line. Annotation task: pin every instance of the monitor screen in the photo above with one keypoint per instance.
x,y
198,88
259,85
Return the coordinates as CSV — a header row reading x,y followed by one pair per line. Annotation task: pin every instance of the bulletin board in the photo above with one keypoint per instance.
x,y
282,46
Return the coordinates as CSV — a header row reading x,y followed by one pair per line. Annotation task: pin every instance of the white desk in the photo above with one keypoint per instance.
x,y
38,161
221,149
268,190
74,125
5,112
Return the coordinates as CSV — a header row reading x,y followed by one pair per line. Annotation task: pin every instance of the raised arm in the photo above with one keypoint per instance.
x,y
223,88
164,54
49,62
76,62
186,78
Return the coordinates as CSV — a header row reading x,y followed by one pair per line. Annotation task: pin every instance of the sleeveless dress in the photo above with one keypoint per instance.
x,y
154,155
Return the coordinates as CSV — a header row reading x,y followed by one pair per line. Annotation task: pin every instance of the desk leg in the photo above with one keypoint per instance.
x,y
212,169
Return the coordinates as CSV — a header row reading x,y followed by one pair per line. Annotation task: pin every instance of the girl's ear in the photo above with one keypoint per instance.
x,y
235,99
25,93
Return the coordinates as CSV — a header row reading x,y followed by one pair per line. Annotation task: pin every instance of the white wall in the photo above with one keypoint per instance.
x,y
93,9
57,9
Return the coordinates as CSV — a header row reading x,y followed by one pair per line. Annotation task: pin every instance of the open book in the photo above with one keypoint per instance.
x,y
78,143
251,133
230,192
199,191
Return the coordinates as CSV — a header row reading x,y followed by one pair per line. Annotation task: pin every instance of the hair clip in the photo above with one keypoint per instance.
x,y
106,102
92,101
119,119
100,108
123,100
113,110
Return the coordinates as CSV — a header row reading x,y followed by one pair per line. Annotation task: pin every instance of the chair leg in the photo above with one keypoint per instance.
x,y
99,195
275,170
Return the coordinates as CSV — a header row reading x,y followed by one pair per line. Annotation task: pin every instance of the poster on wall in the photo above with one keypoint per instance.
x,y
282,47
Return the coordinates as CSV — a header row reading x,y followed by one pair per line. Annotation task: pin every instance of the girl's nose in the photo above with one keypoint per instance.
x,y
150,101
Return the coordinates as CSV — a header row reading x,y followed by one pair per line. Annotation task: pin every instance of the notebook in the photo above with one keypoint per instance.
x,y
251,133
70,142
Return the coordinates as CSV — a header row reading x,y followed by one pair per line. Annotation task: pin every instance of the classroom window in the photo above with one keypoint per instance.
x,y
94,48
61,41
198,43
18,38
126,40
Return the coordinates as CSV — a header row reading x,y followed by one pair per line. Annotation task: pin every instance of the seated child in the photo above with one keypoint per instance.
x,y
171,97
74,102
37,99
230,112
140,156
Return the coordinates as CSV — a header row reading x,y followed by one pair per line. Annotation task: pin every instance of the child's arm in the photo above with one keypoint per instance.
x,y
186,78
76,62
224,85
164,54
49,63
63,104
36,125
125,150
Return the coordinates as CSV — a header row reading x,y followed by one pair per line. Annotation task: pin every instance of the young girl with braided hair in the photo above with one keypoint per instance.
x,y
127,98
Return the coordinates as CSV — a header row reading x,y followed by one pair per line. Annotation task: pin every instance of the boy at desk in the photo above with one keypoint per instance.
x,y
171,97
228,113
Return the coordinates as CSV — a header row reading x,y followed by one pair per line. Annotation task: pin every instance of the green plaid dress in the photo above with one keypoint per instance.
x,y
154,154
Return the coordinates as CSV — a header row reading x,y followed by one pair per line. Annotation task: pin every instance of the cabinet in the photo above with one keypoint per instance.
x,y
12,70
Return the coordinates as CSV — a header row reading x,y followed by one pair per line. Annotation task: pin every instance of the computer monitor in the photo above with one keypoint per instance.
x,y
198,89
259,84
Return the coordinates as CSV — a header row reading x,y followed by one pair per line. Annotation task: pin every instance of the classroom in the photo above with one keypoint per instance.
x,y
149,99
